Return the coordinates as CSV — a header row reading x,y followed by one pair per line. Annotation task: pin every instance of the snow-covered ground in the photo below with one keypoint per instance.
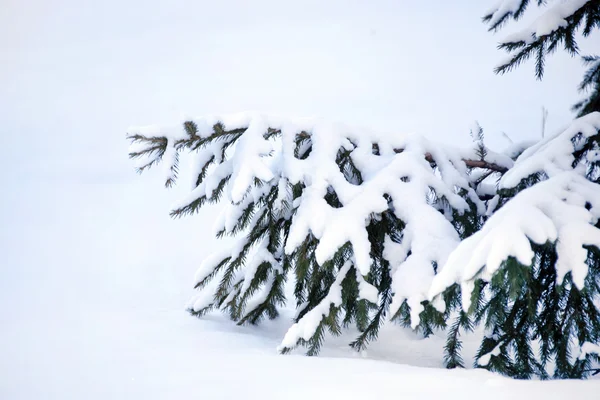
x,y
95,277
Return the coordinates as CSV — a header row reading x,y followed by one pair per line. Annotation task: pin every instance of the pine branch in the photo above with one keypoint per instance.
x,y
527,43
361,216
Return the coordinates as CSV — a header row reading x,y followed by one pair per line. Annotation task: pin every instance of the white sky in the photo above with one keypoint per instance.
x,y
74,74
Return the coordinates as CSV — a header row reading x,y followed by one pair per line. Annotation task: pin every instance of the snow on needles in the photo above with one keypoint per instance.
x,y
550,210
588,348
553,155
548,22
502,9
562,209
422,184
307,325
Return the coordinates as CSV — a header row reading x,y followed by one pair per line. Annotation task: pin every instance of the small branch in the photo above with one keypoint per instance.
x,y
469,163
482,164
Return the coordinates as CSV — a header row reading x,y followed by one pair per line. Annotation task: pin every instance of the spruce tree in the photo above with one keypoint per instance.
x,y
371,228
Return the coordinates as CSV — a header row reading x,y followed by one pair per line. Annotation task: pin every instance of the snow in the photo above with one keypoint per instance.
x,y
485,359
431,238
552,210
514,150
248,164
367,291
549,21
554,154
111,324
493,203
588,348
258,299
261,255
503,8
307,325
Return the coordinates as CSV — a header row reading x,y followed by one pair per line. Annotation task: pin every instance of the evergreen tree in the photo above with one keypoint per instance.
x,y
371,228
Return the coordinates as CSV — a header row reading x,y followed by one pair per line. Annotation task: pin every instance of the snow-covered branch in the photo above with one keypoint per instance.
x,y
558,24
375,226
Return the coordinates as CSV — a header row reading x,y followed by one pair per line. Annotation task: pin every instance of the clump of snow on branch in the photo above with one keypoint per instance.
x,y
562,209
552,19
553,155
306,326
501,10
